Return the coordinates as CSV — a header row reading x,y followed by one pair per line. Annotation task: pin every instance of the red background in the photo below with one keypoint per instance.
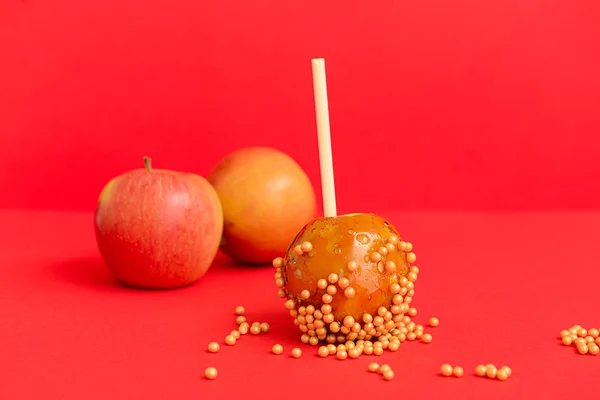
x,y
465,104
484,115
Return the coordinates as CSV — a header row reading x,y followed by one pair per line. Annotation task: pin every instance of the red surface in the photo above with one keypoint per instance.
x,y
503,286
468,104
435,104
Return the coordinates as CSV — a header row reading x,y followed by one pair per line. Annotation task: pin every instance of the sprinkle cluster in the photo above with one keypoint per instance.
x,y
449,370
244,327
587,341
490,371
386,329
385,370
278,349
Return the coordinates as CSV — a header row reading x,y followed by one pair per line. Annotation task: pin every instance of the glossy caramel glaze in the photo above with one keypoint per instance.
x,y
336,242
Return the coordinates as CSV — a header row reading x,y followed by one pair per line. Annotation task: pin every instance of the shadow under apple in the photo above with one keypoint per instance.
x,y
90,272
224,262
93,272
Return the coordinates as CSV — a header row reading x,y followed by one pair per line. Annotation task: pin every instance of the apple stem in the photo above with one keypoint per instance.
x,y
148,164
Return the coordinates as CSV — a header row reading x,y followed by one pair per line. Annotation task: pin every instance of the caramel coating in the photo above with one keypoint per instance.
x,y
240,310
433,321
458,371
346,252
211,373
213,347
296,352
354,287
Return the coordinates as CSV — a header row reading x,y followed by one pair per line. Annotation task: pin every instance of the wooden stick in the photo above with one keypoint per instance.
x,y
324,134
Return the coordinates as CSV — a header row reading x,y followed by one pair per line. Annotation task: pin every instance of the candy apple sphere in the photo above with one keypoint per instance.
x,y
365,249
158,229
266,198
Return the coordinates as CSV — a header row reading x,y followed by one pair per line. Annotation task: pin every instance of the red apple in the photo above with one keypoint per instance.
x,y
157,228
266,199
